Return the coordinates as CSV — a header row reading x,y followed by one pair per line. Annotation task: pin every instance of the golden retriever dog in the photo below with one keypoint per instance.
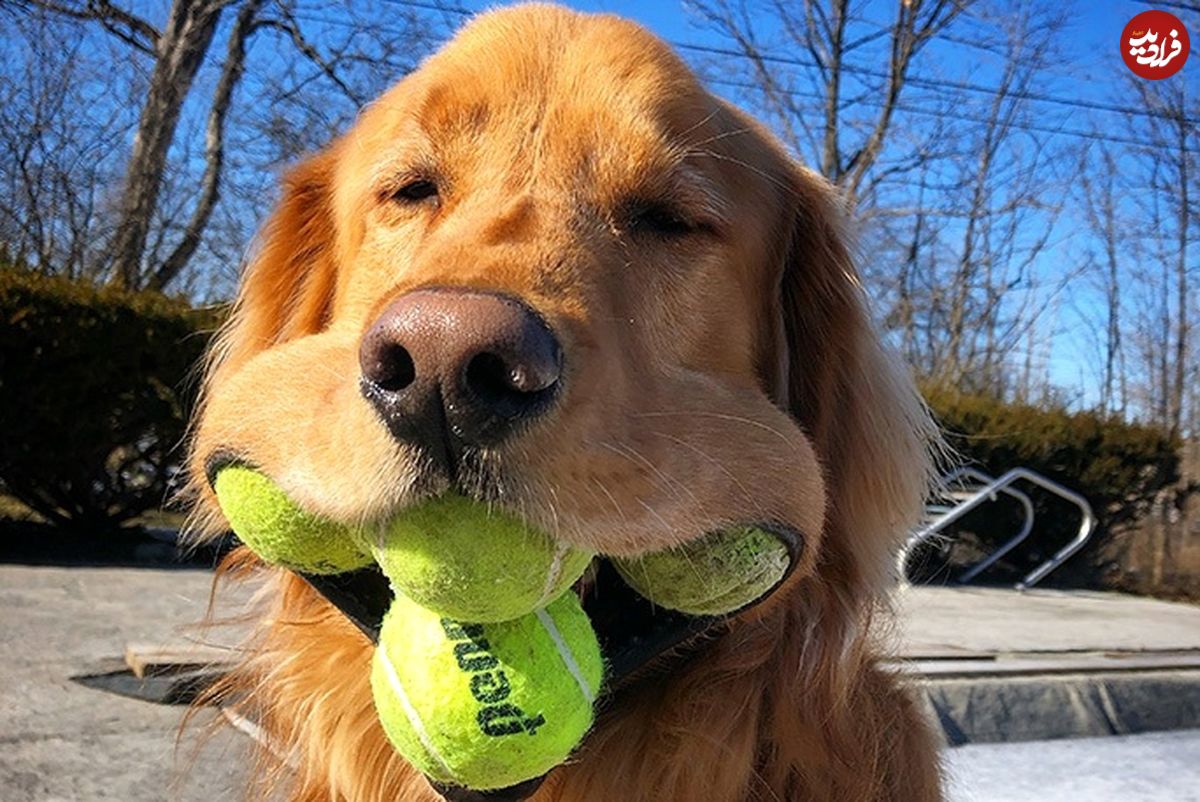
x,y
550,270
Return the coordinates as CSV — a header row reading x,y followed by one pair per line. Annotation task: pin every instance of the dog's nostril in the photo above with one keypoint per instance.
x,y
391,368
507,388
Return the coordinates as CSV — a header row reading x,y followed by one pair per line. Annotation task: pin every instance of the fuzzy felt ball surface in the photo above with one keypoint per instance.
x,y
486,706
278,531
474,562
713,575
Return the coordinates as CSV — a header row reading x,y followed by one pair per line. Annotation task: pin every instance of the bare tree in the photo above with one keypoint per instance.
x,y
60,148
826,33
960,221
176,53
1184,170
231,73
970,279
1162,187
1012,203
1100,197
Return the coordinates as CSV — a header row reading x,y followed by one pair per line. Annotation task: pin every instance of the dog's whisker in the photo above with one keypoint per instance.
x,y
718,137
553,505
616,506
703,121
654,514
633,454
746,494
719,416
778,182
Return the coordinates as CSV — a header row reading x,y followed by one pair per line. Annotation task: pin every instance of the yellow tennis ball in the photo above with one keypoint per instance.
x,y
474,562
486,706
278,531
713,575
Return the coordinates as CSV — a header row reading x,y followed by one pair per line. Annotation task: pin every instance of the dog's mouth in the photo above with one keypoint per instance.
x,y
634,632
637,636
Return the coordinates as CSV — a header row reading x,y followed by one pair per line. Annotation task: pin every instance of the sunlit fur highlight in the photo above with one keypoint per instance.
x,y
790,703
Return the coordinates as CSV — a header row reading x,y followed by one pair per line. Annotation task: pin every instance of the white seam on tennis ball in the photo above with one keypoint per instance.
x,y
410,712
554,571
564,651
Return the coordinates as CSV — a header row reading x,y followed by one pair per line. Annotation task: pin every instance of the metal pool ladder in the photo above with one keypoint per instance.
x,y
967,488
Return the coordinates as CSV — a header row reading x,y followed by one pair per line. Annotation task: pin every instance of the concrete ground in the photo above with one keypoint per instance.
x,y
62,741
946,622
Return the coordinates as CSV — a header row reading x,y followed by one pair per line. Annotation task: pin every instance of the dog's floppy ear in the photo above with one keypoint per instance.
x,y
830,370
289,281
286,292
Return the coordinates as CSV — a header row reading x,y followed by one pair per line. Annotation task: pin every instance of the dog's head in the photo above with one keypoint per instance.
x,y
549,269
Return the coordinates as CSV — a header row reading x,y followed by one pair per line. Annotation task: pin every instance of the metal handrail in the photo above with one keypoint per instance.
x,y
1087,522
936,525
1024,532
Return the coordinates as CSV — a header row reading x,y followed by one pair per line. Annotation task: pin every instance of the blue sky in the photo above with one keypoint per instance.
x,y
1090,48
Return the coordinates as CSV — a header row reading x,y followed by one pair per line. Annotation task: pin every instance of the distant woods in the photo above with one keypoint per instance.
x,y
1022,238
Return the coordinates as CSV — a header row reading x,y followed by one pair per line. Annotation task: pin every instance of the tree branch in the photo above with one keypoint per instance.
x,y
289,26
908,37
129,28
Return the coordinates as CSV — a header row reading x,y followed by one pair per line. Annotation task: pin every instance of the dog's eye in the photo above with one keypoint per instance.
x,y
659,219
416,191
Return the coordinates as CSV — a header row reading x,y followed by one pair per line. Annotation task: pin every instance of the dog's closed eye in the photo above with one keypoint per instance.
x,y
658,218
417,190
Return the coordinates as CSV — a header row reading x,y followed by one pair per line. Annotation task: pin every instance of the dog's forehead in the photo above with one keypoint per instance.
x,y
514,75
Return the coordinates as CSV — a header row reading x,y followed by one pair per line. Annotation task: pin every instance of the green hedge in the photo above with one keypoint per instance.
x,y
95,388
1108,460
96,385
1117,465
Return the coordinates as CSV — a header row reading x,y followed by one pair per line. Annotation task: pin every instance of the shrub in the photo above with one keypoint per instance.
x,y
1108,460
94,395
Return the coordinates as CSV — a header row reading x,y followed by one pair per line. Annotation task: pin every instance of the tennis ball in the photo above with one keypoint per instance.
x,y
716,574
278,531
486,706
472,562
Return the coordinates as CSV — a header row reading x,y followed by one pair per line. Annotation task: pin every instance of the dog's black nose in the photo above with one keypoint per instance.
x,y
449,367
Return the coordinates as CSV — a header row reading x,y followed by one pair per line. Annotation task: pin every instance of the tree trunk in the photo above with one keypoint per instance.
x,y
831,156
179,53
1104,222
214,148
1181,278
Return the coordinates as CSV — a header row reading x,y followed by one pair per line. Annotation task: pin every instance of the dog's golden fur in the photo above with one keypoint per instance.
x,y
720,371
